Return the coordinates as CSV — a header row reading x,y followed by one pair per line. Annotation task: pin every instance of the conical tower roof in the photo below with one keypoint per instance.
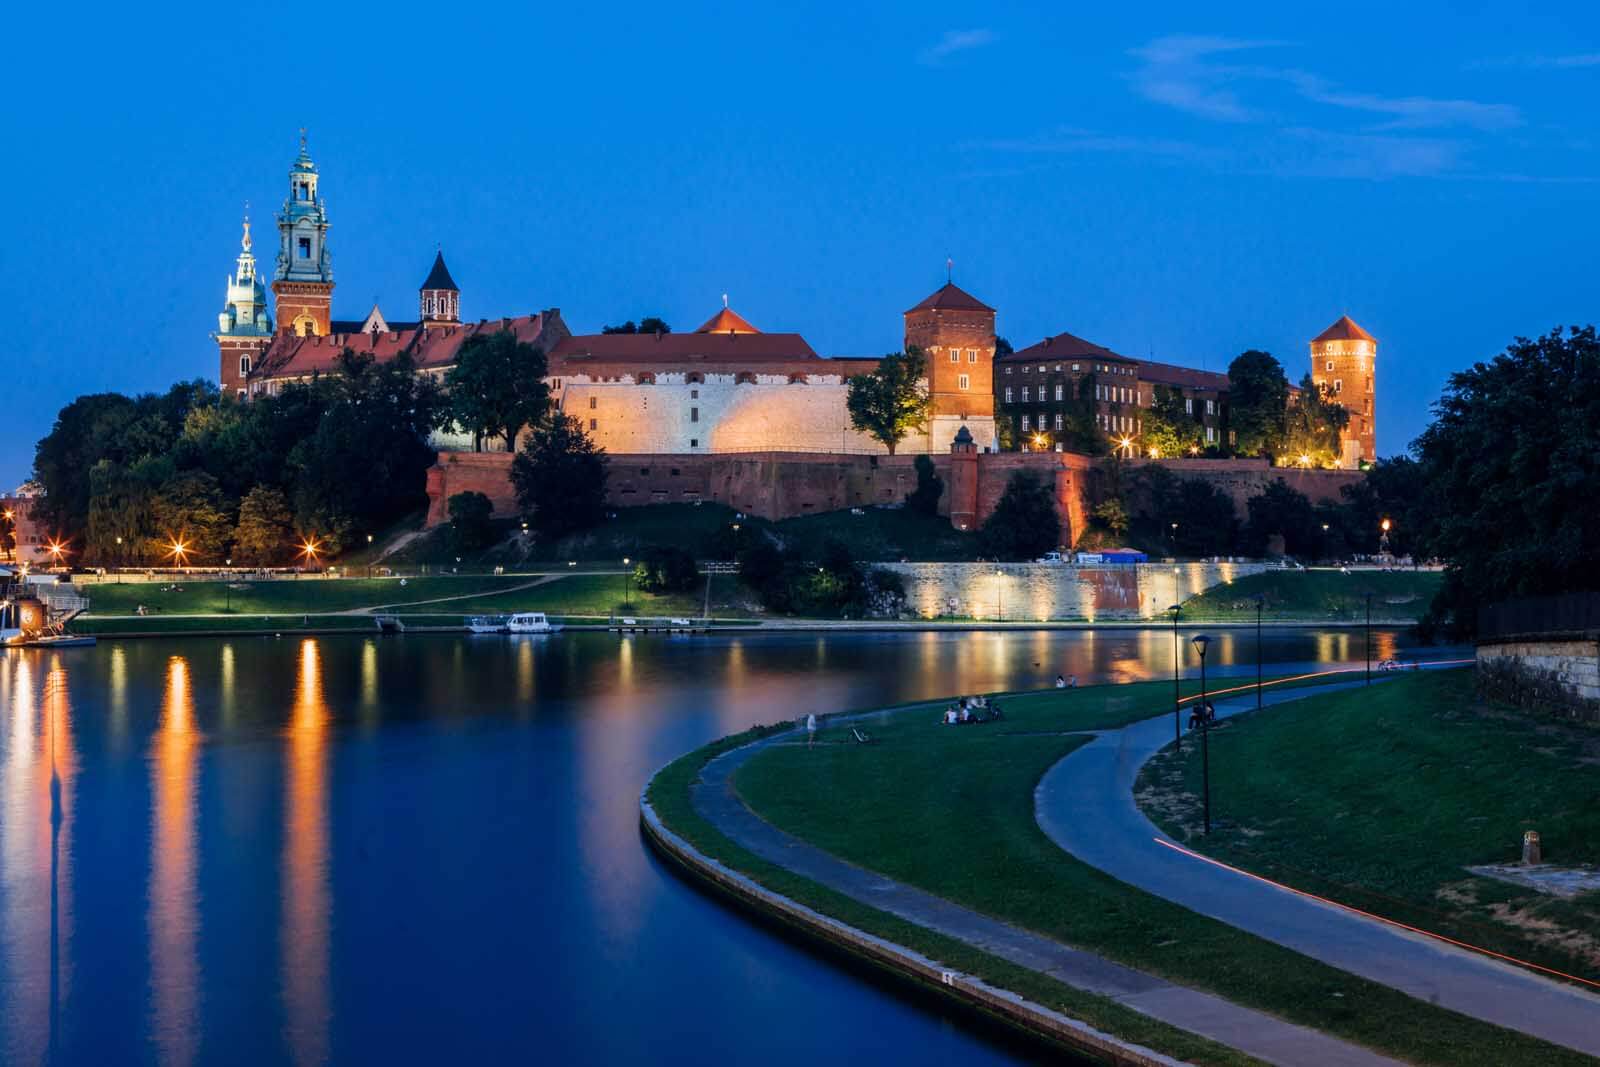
x,y
439,276
952,296
726,321
1344,330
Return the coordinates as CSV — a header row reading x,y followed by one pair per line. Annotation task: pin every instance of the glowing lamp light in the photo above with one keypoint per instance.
x,y
56,549
309,549
1385,524
1305,460
177,550
1155,453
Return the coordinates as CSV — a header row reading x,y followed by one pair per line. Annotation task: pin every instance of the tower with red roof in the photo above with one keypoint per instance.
x,y
1344,363
955,331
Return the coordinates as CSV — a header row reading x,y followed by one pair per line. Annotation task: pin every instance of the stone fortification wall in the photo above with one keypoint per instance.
x,y
1023,592
1555,673
780,485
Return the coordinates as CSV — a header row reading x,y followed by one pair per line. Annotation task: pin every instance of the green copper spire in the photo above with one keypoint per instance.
x,y
245,312
303,226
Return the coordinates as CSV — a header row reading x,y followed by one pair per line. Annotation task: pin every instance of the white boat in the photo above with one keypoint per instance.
x,y
487,624
531,622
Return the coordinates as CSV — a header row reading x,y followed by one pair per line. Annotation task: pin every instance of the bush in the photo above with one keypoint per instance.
x,y
924,499
1024,524
471,526
666,569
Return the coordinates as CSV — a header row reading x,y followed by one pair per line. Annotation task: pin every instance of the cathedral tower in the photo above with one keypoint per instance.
x,y
1344,363
303,282
955,331
243,328
439,299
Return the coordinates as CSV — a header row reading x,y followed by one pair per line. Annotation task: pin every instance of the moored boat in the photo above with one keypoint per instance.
x,y
487,624
531,622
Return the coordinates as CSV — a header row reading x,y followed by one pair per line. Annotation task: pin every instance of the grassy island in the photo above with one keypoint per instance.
x,y
950,811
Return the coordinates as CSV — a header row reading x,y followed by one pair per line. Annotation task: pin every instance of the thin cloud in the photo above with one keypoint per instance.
x,y
1566,62
1067,139
1183,72
955,41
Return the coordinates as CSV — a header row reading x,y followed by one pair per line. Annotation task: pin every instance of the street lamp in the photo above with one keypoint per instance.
x,y
1173,537
227,588
999,611
177,551
1369,638
1260,599
1177,725
1324,542
308,549
119,556
1201,643
627,578
369,557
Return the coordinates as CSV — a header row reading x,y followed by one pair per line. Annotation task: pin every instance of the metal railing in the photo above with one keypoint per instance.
x,y
1562,613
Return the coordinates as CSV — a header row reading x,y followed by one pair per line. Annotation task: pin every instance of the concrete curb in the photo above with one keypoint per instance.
x,y
966,989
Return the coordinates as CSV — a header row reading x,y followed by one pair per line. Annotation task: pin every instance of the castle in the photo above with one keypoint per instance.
x,y
728,387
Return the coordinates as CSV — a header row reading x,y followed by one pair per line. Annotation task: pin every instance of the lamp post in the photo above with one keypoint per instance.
x,y
1201,643
999,612
1260,599
1369,638
227,589
119,559
627,580
369,556
1173,540
1177,725
1324,542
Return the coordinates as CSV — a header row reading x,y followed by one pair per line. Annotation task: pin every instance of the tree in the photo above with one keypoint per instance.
x,y
1393,489
1178,516
471,522
190,510
1511,476
648,324
1279,511
1311,428
1258,393
924,499
892,400
1024,524
666,569
496,387
560,477
265,534
1112,516
1169,430
1002,347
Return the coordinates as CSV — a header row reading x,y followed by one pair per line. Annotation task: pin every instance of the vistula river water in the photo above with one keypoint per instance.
x,y
426,849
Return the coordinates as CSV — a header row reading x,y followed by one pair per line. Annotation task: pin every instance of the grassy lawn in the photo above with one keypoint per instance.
x,y
669,795
1317,595
281,596
602,594
951,811
1382,798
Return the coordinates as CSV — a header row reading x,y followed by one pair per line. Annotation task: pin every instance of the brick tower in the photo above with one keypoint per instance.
x,y
955,331
1344,363
243,327
303,282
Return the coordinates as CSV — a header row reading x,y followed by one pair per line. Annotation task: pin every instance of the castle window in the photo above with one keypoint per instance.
x,y
694,442
244,364
1058,420
695,377
694,414
963,382
1025,370
1008,393
1024,424
1338,386
305,248
1076,367
592,403
694,394
955,355
1042,369
594,424
1330,364
972,355
1211,407
1188,405
1027,394
1058,390
1008,370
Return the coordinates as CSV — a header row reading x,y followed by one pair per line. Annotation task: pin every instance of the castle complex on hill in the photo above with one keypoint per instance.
x,y
729,387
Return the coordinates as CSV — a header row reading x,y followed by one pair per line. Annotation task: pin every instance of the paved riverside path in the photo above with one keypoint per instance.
x,y
1085,804
1263,1036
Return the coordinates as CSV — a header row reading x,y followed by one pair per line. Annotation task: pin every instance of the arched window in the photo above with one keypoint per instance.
x,y
696,378
646,378
244,366
744,377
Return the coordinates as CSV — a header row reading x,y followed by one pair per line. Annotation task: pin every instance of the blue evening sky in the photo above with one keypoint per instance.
x,y
1183,184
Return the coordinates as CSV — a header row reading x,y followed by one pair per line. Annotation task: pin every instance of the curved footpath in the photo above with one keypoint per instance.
x,y
1085,803
1260,1035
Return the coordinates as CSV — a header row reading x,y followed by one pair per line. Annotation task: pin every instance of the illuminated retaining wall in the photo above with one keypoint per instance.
x,y
1029,592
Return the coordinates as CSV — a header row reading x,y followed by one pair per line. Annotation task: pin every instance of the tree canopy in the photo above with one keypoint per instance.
x,y
1024,524
496,387
1311,428
1511,465
1258,393
1169,429
560,477
891,400
648,324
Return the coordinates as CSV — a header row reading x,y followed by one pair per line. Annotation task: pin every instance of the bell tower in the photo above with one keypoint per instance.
x,y
439,301
303,281
243,327
955,331
1344,365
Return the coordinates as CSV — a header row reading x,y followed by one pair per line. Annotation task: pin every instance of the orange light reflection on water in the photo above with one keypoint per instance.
x,y
306,904
173,915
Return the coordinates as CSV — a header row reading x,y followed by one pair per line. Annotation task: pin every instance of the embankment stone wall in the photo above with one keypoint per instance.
x,y
1558,673
1041,591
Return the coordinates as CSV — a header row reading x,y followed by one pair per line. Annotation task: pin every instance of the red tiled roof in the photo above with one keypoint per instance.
x,y
680,347
1065,346
951,296
1344,330
1186,377
726,321
292,356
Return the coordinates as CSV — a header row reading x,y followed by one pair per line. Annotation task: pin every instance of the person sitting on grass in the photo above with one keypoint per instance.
x,y
1061,681
966,714
949,715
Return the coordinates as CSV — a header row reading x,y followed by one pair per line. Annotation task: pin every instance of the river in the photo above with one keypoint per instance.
x,y
425,849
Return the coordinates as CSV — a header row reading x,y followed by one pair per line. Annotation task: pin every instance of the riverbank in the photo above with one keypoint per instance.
x,y
949,812
1420,819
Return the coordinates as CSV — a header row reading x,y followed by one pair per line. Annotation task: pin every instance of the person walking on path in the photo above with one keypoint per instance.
x,y
811,728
